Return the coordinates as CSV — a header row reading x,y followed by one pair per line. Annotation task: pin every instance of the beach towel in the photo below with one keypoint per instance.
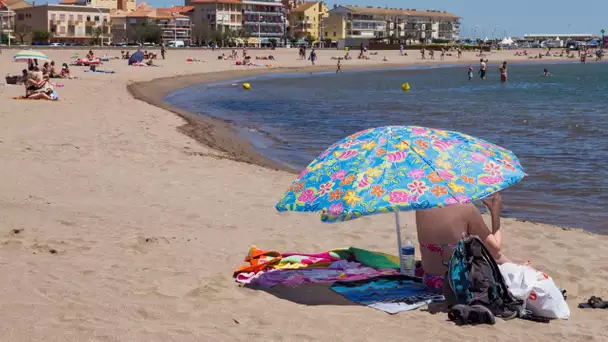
x,y
261,260
391,294
341,270
269,268
27,98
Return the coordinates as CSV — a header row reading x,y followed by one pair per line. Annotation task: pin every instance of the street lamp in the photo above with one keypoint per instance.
x,y
494,31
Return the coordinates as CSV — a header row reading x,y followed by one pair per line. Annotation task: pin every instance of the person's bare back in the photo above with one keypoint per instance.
x,y
441,228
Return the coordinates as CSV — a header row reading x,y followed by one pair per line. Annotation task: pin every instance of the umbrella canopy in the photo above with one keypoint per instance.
x,y
26,55
400,168
136,57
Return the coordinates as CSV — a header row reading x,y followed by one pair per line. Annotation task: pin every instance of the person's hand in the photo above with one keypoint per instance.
x,y
494,204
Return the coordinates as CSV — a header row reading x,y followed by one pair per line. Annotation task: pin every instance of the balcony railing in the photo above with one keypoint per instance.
x,y
266,34
256,13
262,23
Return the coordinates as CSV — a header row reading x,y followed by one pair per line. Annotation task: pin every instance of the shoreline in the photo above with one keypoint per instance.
x,y
222,135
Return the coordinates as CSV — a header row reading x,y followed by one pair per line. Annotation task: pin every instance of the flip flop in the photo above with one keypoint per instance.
x,y
594,303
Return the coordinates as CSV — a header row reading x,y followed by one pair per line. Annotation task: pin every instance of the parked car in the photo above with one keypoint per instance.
x,y
57,44
176,43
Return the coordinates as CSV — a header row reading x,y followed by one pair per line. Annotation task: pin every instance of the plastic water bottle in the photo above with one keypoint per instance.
x,y
408,258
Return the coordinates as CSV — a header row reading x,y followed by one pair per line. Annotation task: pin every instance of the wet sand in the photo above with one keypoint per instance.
x,y
116,226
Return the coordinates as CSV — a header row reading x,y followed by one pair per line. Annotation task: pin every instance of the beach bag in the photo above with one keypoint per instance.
x,y
542,297
473,278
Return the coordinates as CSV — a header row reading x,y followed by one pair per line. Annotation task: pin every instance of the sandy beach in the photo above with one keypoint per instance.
x,y
122,221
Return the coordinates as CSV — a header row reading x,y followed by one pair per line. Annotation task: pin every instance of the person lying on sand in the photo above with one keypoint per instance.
x,y
440,229
362,56
93,68
269,57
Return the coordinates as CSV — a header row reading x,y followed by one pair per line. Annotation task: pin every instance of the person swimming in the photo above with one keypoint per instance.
x,y
546,72
470,73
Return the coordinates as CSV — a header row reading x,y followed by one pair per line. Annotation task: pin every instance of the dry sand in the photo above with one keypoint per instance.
x,y
117,227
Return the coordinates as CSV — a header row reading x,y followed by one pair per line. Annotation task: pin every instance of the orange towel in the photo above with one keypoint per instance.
x,y
258,260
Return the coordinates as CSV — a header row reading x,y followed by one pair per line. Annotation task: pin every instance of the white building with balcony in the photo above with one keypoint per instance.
x,y
264,19
360,24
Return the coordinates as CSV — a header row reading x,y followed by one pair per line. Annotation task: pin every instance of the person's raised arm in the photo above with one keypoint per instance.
x,y
491,239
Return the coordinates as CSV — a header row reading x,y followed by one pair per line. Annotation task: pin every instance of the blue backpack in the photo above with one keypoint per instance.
x,y
473,277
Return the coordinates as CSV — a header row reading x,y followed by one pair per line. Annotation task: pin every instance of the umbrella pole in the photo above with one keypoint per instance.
x,y
398,227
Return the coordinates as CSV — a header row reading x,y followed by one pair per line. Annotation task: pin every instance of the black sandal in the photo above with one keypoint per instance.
x,y
594,303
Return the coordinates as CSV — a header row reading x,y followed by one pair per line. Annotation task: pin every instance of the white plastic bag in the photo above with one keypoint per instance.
x,y
542,296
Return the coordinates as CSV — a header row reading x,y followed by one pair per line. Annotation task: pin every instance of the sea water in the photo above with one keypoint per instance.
x,y
556,125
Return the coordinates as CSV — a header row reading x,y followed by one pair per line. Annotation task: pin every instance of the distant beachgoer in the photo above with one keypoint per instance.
x,y
442,53
162,50
584,58
423,53
384,59
503,72
482,69
470,73
313,56
432,54
459,53
338,67
546,72
401,50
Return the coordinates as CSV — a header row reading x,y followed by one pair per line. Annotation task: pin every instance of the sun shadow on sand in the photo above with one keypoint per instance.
x,y
310,294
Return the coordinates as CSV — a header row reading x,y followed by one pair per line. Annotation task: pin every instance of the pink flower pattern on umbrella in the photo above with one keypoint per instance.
x,y
394,168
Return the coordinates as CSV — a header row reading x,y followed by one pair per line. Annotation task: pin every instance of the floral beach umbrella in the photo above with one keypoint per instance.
x,y
26,55
400,168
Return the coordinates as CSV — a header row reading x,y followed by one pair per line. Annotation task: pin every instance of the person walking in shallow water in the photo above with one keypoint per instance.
x,y
482,69
503,72
338,67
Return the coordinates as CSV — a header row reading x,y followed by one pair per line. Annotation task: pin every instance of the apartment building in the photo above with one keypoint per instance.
x,y
123,5
264,19
173,24
307,18
7,19
66,23
6,25
215,16
424,25
357,24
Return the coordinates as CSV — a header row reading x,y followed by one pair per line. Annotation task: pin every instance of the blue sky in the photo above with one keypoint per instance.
x,y
515,16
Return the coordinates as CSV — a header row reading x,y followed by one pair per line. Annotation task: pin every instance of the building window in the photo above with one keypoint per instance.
x,y
79,17
62,29
88,18
334,33
20,16
97,18
53,17
71,17
62,17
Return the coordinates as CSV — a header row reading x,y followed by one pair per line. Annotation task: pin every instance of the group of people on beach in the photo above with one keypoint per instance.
x,y
36,79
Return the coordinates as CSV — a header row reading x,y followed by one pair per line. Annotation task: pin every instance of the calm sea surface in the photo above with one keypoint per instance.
x,y
556,125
